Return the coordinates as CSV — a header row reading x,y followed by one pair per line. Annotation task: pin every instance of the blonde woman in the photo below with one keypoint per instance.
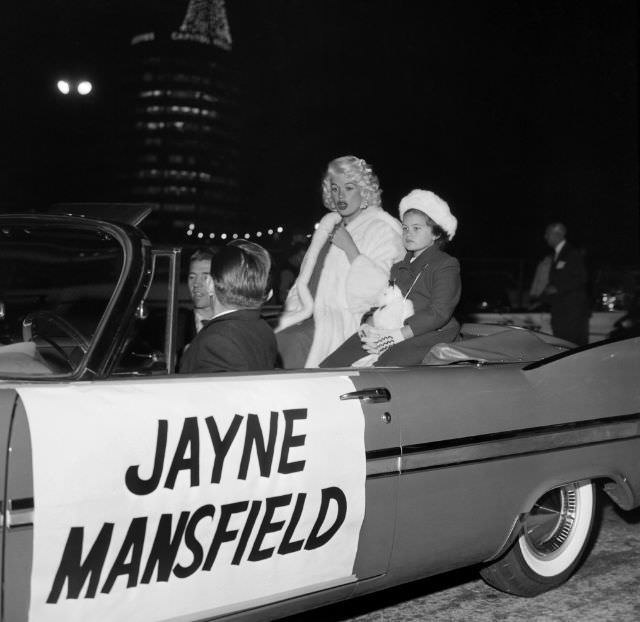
x,y
345,268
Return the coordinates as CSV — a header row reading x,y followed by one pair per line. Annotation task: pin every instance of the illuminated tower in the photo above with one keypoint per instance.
x,y
185,136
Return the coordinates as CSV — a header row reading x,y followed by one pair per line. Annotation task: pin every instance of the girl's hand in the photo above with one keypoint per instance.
x,y
377,340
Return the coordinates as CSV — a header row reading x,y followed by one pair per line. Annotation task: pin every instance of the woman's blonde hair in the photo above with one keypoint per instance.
x,y
356,170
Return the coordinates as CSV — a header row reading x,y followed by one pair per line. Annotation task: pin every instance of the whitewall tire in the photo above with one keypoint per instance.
x,y
556,533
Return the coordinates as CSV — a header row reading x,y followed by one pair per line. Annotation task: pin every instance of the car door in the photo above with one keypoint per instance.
x,y
382,442
455,507
114,423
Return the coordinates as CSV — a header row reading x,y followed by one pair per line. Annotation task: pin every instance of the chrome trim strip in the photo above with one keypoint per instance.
x,y
19,513
389,452
428,457
519,433
451,452
382,466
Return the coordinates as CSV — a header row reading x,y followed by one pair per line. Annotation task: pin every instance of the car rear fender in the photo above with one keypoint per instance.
x,y
616,485
600,379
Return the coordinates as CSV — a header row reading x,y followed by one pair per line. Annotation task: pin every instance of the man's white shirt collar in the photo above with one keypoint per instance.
x,y
223,313
199,319
559,247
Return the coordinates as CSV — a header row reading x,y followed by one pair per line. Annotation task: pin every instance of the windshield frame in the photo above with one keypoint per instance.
x,y
132,280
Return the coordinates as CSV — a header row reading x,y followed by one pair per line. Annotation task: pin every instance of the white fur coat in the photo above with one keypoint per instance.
x,y
345,290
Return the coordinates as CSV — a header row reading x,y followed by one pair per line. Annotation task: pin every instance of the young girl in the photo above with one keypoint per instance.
x,y
427,276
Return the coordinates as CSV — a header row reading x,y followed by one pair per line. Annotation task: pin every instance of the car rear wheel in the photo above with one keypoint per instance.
x,y
555,536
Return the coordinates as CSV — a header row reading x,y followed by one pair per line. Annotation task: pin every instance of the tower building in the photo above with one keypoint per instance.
x,y
184,141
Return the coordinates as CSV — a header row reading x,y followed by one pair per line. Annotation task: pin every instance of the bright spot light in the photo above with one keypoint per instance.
x,y
279,229
223,236
200,235
192,226
63,87
259,234
270,231
246,236
85,87
315,227
212,235
190,232
235,236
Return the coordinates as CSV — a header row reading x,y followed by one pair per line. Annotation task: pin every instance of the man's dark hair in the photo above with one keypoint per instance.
x,y
240,274
202,254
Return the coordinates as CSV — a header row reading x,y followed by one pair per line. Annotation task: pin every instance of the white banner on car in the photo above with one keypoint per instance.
x,y
158,499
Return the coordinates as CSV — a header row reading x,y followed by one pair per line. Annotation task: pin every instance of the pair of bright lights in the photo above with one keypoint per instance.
x,y
83,87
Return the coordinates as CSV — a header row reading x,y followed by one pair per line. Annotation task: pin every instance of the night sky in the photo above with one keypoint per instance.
x,y
515,112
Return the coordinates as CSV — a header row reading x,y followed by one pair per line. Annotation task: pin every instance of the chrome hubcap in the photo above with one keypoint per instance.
x,y
550,521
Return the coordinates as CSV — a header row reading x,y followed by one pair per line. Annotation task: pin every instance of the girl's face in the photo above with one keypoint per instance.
x,y
345,195
417,234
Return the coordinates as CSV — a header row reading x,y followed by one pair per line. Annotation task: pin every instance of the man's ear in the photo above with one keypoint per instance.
x,y
210,288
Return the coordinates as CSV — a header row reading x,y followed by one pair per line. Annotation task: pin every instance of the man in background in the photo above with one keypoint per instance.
x,y
566,290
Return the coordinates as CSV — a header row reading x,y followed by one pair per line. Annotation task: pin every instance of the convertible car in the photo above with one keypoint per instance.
x,y
130,492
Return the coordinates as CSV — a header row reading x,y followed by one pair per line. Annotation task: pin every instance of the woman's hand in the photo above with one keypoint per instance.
x,y
343,240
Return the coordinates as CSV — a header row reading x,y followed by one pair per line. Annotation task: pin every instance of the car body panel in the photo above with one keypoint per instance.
x,y
481,437
382,443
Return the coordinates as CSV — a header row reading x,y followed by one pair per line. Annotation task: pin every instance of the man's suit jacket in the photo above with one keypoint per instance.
x,y
236,341
569,304
186,329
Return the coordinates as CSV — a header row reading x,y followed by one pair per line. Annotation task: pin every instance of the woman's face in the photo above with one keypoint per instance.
x,y
345,195
417,234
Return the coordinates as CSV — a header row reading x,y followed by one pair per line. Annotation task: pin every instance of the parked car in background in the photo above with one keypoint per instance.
x,y
129,492
629,324
495,292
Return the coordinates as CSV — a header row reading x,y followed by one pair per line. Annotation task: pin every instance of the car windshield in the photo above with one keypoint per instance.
x,y
55,285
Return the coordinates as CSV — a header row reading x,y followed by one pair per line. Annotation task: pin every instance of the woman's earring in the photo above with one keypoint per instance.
x,y
364,204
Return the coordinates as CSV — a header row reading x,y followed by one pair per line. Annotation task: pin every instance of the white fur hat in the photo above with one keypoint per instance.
x,y
433,206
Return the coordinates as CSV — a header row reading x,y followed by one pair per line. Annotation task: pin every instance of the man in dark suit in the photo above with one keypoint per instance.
x,y
566,291
236,338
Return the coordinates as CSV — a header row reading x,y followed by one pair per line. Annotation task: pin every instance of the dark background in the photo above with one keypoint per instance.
x,y
516,112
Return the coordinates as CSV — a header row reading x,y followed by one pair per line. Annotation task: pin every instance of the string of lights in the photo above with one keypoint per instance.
x,y
191,231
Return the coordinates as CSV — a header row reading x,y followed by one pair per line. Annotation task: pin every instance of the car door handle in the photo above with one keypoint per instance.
x,y
375,396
